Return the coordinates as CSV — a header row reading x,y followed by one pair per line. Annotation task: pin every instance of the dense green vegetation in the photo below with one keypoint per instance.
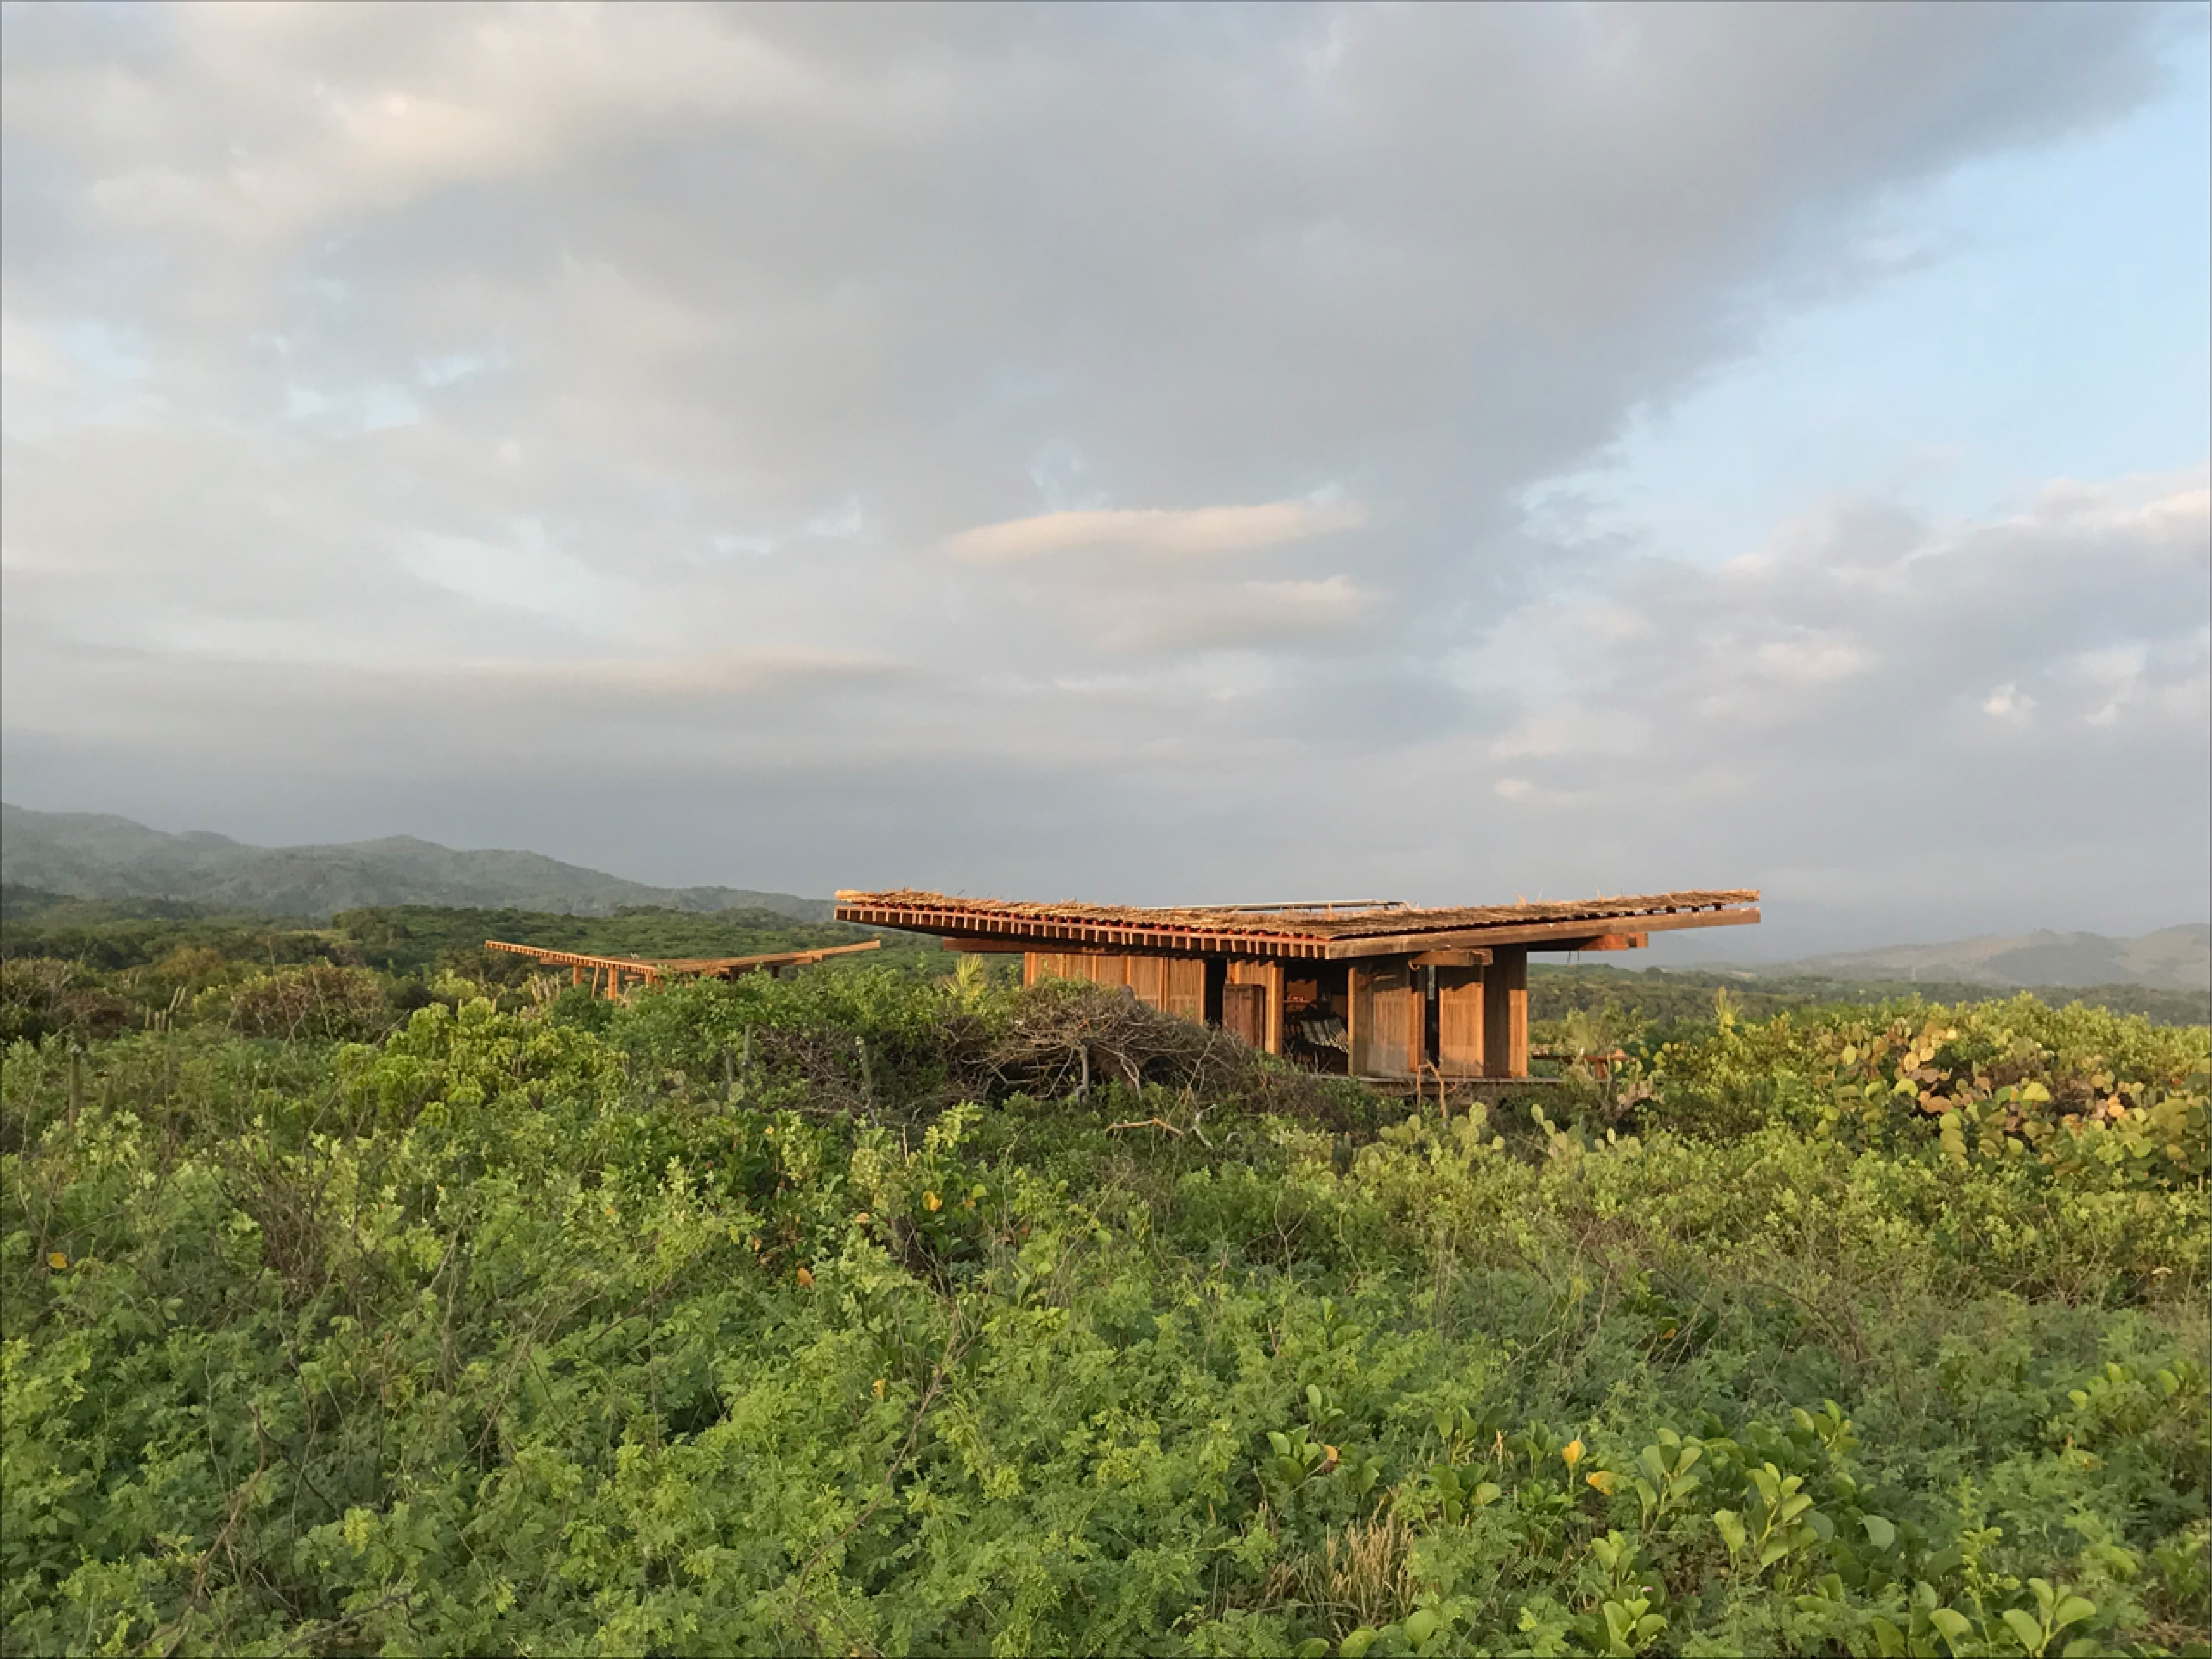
x,y
870,1311
90,968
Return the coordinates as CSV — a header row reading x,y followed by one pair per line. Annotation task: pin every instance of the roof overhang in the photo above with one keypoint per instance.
x,y
1598,924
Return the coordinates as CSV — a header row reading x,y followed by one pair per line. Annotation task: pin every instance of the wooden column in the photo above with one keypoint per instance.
x,y
1505,1013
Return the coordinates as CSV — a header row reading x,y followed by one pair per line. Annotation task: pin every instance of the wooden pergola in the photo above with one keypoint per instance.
x,y
1373,988
615,972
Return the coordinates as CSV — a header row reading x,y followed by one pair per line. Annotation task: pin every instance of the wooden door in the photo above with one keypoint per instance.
x,y
1458,1021
1388,1020
1244,1013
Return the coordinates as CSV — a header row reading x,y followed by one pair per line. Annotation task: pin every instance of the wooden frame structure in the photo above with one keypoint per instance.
x,y
613,972
1370,987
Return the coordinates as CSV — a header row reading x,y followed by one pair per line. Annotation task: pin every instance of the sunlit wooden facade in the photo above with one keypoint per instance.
x,y
1372,989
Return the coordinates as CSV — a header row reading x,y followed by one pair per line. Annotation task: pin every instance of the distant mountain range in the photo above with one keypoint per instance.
x,y
97,856
2173,958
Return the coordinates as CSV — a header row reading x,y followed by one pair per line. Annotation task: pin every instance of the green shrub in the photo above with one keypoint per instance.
x,y
761,1317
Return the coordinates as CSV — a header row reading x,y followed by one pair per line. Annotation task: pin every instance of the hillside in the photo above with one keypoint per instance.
x,y
99,855
2172,958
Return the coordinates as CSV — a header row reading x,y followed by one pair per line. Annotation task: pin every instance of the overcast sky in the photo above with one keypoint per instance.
x,y
1151,454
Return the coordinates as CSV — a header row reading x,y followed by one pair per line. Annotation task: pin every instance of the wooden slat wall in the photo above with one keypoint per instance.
x,y
1458,1021
1174,985
1244,1013
1184,994
1250,971
1388,1016
1505,1014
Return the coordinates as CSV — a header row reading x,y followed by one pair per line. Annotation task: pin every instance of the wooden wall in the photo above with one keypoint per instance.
x,y
1481,1014
1459,1022
1174,985
1268,974
1389,1019
1505,1012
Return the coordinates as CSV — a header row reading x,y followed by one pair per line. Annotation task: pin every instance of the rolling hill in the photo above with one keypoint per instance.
x,y
2172,958
99,855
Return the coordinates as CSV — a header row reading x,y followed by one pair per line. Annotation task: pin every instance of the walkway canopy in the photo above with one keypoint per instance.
x,y
614,972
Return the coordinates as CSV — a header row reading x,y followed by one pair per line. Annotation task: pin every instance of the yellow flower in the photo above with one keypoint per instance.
x,y
806,1278
931,1201
863,1218
1573,1453
57,1261
1604,1480
879,1388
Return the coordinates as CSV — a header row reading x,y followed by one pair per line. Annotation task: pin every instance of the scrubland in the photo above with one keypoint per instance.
x,y
870,1312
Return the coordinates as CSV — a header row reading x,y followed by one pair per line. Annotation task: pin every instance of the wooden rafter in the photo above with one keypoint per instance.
x,y
680,967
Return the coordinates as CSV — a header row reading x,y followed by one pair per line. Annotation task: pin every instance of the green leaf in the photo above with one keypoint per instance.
x,y
1420,1625
1358,1642
1887,1638
1312,1648
1950,1622
2030,1633
1731,1529
2072,1610
1880,1532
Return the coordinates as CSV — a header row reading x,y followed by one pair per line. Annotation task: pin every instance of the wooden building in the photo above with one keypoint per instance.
x,y
1374,988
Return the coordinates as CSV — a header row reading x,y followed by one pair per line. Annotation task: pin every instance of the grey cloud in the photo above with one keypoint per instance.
x,y
350,346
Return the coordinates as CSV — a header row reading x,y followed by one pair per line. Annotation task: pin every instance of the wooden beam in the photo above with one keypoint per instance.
x,y
1599,942
973,946
1462,958
580,962
1545,933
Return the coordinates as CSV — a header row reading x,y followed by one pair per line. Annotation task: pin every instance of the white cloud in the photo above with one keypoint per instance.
x,y
1160,533
1000,353
1212,618
523,573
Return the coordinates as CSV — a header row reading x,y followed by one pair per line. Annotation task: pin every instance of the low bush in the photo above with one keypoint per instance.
x,y
837,1315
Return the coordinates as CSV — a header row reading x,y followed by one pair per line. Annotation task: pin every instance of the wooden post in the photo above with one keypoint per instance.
x,y
1505,1013
1355,1018
576,974
1276,991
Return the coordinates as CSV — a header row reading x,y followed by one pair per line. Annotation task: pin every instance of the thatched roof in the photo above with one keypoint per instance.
x,y
1357,928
